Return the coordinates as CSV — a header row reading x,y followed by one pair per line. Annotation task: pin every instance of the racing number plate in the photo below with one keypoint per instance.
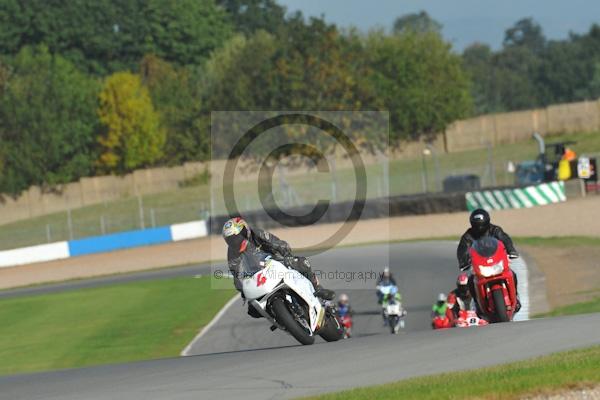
x,y
261,279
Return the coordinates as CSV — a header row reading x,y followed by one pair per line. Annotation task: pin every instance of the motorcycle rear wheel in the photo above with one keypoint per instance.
x,y
501,313
333,330
285,318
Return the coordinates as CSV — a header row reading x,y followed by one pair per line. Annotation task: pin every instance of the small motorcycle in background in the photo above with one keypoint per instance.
x,y
344,312
346,321
392,311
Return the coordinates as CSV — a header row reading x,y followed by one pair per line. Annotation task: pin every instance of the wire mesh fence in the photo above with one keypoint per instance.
x,y
124,215
289,188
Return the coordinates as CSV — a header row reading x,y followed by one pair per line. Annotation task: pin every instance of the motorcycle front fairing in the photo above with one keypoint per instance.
x,y
267,276
491,272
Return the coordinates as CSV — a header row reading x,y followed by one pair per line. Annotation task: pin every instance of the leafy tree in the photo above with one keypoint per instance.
x,y
525,33
104,36
250,16
416,23
185,31
4,76
477,61
420,80
310,67
132,137
594,86
175,93
240,75
530,71
47,121
321,69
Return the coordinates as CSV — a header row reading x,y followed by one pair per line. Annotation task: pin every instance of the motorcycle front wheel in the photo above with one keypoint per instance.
x,y
501,312
393,321
285,318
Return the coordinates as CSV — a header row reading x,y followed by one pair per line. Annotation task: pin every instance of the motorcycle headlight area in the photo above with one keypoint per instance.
x,y
491,270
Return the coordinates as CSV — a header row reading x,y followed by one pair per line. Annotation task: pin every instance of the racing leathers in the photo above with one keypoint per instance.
x,y
441,315
345,309
467,239
457,301
439,309
262,240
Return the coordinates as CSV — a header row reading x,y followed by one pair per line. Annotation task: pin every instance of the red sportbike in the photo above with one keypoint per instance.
x,y
495,289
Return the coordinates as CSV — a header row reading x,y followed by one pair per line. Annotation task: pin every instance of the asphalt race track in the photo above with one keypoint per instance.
x,y
421,269
240,358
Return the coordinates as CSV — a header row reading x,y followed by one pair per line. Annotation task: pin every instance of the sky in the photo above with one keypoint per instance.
x,y
464,21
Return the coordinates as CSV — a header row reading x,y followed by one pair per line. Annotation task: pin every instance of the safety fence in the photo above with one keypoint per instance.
x,y
492,199
101,244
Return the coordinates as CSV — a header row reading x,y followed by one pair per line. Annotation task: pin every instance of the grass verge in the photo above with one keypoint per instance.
x,y
542,375
111,324
562,241
586,307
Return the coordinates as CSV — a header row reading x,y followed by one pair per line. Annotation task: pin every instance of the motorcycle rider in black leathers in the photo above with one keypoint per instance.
x,y
480,227
240,238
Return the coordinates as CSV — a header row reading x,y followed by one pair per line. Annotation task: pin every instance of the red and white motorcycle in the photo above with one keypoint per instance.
x,y
495,289
469,318
286,299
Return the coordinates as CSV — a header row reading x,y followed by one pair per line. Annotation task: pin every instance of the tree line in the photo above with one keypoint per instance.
x,y
531,71
108,86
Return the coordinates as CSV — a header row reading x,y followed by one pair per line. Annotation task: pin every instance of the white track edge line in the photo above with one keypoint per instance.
x,y
205,329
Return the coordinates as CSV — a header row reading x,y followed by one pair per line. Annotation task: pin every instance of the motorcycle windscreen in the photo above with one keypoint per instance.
x,y
487,246
252,262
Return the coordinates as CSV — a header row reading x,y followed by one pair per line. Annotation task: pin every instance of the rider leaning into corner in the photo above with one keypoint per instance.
x,y
480,227
240,238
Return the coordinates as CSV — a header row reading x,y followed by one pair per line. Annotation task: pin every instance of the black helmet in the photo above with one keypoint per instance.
x,y
480,221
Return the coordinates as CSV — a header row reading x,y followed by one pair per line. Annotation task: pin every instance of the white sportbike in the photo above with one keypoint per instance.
x,y
391,307
286,299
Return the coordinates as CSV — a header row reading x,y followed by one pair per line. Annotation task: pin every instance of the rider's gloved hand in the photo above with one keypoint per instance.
x,y
289,261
